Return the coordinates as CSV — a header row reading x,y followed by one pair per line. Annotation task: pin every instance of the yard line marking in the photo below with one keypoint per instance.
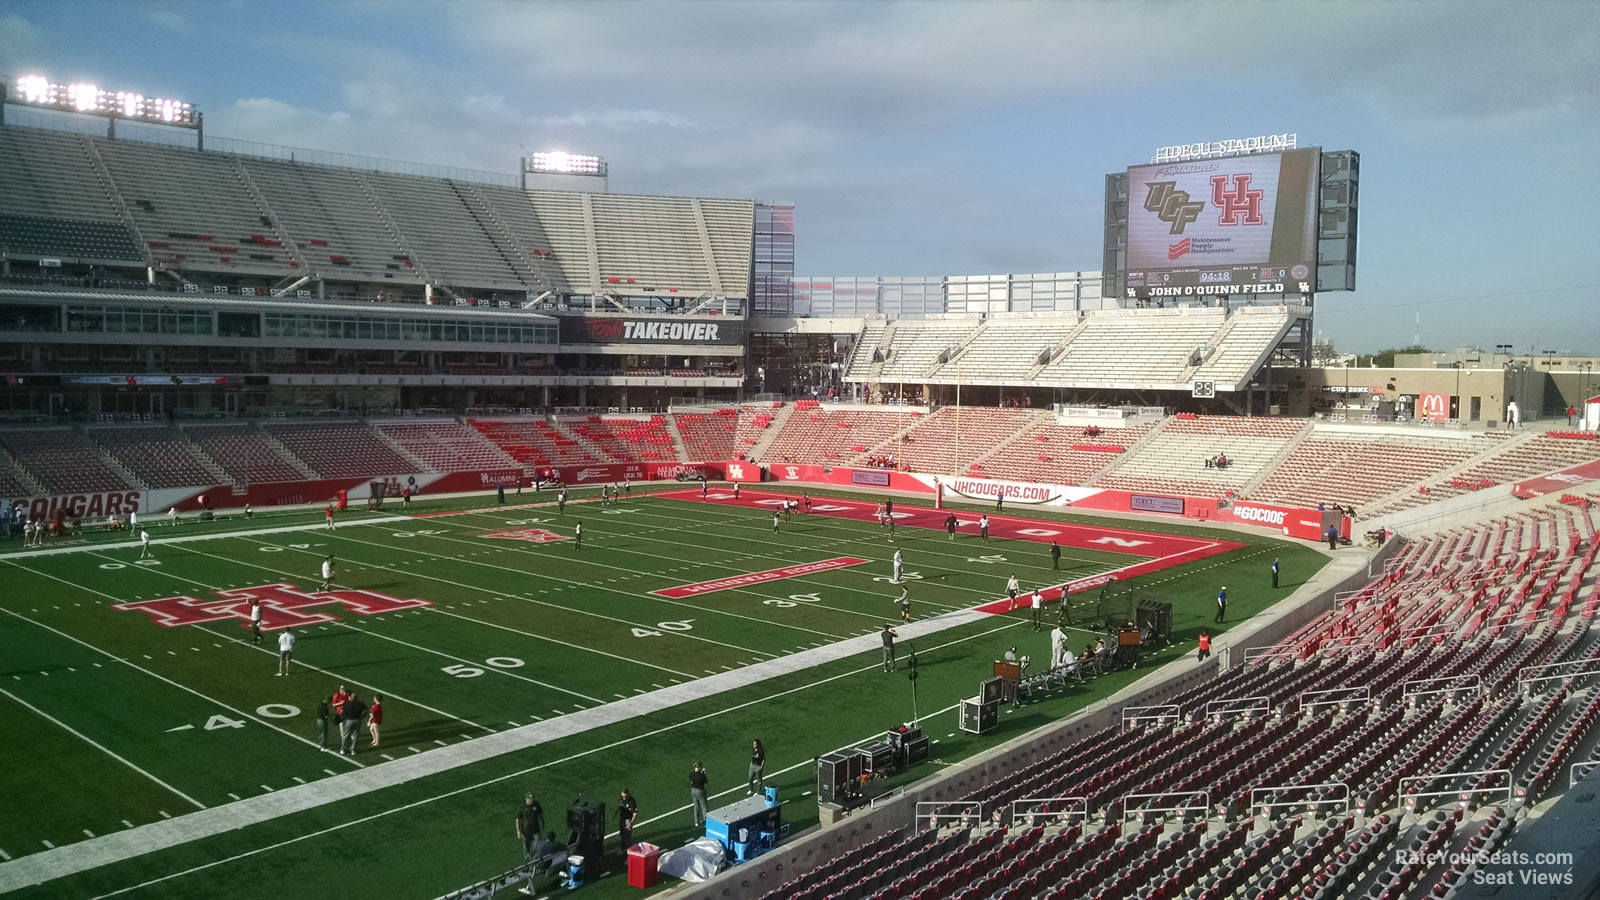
x,y
544,638
580,584
384,519
101,747
463,660
127,823
440,743
528,598
88,833
48,845
85,855
164,814
241,642
413,750
139,668
871,667
234,796
4,855
330,771
299,780
387,756
266,788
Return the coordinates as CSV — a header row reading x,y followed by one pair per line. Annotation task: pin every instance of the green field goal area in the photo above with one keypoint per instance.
x,y
153,749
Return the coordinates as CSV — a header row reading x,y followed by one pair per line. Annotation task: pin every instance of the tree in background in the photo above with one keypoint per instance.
x,y
1323,353
1384,359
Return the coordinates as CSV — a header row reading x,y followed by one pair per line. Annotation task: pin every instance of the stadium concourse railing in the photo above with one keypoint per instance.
x,y
818,845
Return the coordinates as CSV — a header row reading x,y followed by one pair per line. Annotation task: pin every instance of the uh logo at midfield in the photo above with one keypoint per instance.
x,y
282,606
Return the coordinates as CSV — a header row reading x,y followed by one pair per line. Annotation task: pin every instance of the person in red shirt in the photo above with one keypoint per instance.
x,y
1205,647
375,717
328,514
339,698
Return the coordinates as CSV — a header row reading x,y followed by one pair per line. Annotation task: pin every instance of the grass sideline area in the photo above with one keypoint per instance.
x,y
128,723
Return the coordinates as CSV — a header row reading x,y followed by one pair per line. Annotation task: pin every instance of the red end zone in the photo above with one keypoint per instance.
x,y
739,581
1158,551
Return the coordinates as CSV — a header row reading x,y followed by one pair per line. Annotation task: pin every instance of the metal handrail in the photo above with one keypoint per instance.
x,y
1346,799
975,811
1175,714
1263,704
1127,809
1082,804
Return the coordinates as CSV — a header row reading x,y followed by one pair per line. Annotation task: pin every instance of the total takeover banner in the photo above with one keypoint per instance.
x,y
661,329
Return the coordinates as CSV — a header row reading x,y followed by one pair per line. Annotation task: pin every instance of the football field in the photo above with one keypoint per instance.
x,y
152,750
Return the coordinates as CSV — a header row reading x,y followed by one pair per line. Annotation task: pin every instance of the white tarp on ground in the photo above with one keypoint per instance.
x,y
693,862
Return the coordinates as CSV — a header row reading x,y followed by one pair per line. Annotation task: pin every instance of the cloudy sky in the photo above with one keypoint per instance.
x,y
943,137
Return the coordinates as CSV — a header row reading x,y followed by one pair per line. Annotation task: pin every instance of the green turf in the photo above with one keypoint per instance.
x,y
567,617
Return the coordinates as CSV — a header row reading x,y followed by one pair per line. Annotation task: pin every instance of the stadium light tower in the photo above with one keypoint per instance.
x,y
560,163
90,99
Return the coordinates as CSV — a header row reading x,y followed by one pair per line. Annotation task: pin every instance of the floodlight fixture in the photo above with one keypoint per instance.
x,y
559,162
91,99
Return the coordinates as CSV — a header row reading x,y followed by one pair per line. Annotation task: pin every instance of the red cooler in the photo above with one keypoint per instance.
x,y
642,861
344,499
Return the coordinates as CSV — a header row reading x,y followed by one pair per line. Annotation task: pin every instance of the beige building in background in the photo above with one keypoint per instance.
x,y
1477,396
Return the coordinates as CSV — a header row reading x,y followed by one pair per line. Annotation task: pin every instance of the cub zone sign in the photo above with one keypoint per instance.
x,y
282,606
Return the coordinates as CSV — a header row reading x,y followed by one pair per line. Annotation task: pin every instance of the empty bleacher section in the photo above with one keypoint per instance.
x,y
246,453
1433,659
159,457
1057,454
658,239
63,461
1134,347
13,483
446,446
915,347
1520,457
53,201
1124,348
1173,459
340,450
1005,350
533,442
339,232
860,366
627,439
830,436
1351,470
1243,343
443,232
71,195
708,435
948,441
194,211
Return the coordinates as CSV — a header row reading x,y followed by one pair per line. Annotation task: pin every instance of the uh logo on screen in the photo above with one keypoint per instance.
x,y
282,606
1238,204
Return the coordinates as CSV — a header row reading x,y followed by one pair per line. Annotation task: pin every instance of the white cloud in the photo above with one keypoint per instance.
x,y
615,119
165,17
19,41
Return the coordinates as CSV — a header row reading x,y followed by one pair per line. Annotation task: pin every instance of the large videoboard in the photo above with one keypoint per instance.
x,y
1238,225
